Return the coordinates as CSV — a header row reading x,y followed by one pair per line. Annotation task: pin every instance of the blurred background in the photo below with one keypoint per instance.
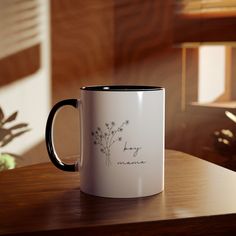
x,y
49,49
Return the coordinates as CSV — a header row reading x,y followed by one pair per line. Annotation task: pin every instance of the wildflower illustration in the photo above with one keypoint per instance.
x,y
105,139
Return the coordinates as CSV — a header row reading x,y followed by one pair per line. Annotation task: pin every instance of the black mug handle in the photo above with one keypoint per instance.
x,y
49,135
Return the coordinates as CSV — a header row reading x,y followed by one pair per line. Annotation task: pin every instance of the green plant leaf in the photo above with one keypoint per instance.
x,y
11,117
19,126
7,162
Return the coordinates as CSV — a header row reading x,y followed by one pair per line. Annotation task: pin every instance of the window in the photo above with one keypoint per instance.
x,y
204,29
211,73
209,76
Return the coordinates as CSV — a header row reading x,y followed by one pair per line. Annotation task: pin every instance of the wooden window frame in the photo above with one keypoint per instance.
x,y
190,83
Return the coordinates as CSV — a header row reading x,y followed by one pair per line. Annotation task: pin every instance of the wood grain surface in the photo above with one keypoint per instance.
x,y
199,199
208,28
142,28
82,45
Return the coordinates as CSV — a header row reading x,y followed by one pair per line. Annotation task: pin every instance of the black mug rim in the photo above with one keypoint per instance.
x,y
122,88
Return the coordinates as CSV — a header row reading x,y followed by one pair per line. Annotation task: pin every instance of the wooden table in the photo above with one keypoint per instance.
x,y
199,199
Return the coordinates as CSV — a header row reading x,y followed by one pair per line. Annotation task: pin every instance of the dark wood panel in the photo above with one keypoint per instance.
x,y
82,45
203,29
142,28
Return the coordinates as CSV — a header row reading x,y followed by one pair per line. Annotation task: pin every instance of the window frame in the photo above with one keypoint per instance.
x,y
189,101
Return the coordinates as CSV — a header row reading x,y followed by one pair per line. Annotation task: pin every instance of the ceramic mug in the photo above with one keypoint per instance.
x,y
122,140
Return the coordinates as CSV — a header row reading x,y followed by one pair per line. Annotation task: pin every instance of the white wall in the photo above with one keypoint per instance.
x,y
31,95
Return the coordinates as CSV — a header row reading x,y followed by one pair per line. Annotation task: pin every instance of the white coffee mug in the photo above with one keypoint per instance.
x,y
122,140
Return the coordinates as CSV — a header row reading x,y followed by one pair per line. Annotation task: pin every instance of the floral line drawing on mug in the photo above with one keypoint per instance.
x,y
107,138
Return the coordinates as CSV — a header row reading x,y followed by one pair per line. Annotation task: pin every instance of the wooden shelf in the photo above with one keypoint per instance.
x,y
225,105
